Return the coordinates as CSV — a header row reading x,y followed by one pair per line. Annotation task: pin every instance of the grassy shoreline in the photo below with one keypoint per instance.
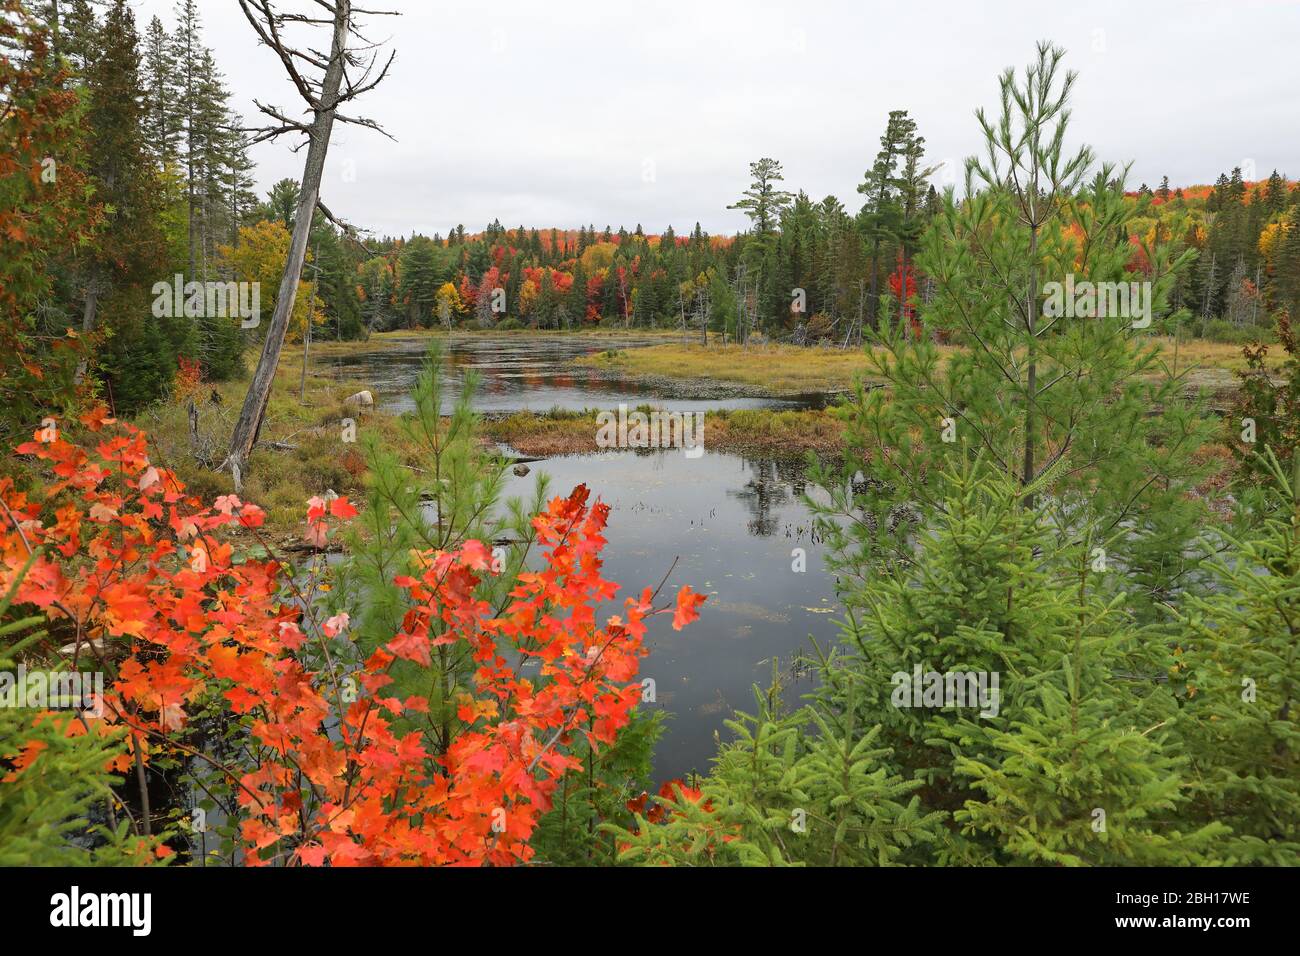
x,y
780,371
397,338
301,450
742,431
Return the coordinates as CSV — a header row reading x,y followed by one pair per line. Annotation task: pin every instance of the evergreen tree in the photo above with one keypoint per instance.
x,y
763,202
881,215
1072,724
913,214
186,54
1286,273
1275,193
161,126
459,498
779,795
39,358
128,259
281,204
338,288
1038,388
577,304
213,137
421,278
1268,404
1240,664
56,780
238,182
77,34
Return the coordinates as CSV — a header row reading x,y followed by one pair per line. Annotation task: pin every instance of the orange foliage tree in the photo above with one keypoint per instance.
x,y
145,580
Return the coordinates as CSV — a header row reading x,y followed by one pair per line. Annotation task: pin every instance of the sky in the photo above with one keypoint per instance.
x,y
609,112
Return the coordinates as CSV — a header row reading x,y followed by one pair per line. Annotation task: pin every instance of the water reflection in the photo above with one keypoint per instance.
x,y
733,524
526,373
762,495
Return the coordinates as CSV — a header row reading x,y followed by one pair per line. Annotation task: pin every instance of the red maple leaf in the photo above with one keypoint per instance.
x,y
687,603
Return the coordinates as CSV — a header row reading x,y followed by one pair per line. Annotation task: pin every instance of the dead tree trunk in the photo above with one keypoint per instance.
x,y
89,313
259,390
704,307
323,98
306,335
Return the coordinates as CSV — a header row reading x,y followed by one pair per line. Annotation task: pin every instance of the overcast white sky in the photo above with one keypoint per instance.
x,y
608,111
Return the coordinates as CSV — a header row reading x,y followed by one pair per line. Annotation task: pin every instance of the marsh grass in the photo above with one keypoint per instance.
x,y
742,431
792,370
300,452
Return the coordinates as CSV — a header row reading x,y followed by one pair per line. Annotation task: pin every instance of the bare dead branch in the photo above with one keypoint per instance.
x,y
266,25
349,231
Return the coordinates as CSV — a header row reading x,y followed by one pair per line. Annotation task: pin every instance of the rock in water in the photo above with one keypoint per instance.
x,y
521,469
361,401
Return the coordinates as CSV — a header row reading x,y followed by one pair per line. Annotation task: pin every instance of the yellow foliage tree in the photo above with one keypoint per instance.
x,y
447,302
259,257
598,256
527,296
1268,239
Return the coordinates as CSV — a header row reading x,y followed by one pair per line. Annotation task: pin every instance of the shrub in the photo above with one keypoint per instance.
x,y
114,546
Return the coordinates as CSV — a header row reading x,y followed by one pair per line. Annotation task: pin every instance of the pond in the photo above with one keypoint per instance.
x,y
530,373
732,523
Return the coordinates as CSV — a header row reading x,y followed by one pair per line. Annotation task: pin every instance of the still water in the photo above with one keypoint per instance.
x,y
732,523
528,373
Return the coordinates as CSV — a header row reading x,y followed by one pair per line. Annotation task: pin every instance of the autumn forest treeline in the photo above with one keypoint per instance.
x,y
147,175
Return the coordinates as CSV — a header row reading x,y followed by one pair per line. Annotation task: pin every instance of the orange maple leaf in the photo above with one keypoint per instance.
x,y
687,603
